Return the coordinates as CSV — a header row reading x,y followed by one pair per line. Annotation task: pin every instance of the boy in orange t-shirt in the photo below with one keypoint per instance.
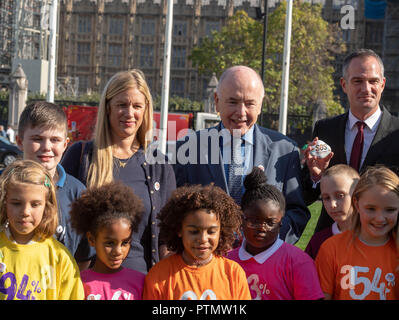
x,y
198,223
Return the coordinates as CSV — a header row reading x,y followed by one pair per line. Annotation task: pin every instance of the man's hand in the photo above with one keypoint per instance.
x,y
315,164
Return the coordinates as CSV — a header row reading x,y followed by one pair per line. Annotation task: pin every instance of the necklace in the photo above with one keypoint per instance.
x,y
124,162
196,263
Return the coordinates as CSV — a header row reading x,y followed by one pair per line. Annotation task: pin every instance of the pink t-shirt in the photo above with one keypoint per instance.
x,y
126,284
282,272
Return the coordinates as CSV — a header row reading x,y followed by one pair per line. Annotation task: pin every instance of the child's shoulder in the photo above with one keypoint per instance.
x,y
74,183
55,244
133,274
233,254
59,249
69,181
126,273
322,235
343,236
49,247
69,187
4,242
227,264
317,240
338,240
163,266
293,252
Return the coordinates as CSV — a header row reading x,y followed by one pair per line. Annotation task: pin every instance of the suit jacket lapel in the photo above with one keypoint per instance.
x,y
216,170
339,132
261,156
376,146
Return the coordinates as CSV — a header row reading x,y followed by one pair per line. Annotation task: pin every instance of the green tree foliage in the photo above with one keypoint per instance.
x,y
179,104
92,99
4,94
238,42
314,43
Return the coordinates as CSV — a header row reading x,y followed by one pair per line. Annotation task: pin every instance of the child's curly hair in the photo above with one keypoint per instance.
x,y
187,199
99,206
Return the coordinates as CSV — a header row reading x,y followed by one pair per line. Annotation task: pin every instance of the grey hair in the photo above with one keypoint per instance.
x,y
360,53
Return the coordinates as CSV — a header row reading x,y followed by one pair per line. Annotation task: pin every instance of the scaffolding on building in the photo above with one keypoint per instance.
x,y
24,33
391,44
7,8
6,23
31,29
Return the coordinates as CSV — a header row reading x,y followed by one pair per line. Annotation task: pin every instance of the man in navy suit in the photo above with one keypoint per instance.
x,y
363,82
205,156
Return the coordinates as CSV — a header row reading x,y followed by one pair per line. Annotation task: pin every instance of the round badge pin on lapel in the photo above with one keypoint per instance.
x,y
157,186
59,229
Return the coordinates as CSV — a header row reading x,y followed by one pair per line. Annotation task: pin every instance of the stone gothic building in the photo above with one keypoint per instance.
x,y
100,37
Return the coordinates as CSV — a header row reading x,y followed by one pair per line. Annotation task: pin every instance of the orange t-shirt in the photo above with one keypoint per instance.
x,y
351,270
172,279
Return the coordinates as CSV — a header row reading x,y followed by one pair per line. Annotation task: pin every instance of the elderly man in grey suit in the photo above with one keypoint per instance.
x,y
210,155
364,136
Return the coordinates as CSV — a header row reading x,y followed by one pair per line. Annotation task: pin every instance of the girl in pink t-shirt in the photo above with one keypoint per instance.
x,y
108,215
275,270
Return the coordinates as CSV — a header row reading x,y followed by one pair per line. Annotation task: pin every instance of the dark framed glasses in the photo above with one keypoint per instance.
x,y
254,223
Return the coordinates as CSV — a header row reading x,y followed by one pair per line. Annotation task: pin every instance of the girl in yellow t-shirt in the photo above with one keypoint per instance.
x,y
198,223
33,264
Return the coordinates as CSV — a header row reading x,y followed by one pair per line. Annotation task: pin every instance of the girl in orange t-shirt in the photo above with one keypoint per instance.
x,y
362,263
198,223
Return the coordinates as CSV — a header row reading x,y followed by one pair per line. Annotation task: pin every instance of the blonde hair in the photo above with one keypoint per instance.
x,y
352,176
101,167
341,169
31,172
377,175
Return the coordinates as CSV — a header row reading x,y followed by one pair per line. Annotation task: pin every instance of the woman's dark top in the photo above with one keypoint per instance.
x,y
153,183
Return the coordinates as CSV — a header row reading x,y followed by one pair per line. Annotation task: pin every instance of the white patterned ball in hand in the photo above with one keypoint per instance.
x,y
320,149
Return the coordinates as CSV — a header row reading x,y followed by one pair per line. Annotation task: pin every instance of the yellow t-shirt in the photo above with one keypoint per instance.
x,y
351,270
172,279
39,271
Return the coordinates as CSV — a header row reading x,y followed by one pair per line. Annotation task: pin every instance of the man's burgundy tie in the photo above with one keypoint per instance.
x,y
357,147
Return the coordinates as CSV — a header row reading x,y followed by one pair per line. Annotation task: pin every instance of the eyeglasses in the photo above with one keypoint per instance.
x,y
254,223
